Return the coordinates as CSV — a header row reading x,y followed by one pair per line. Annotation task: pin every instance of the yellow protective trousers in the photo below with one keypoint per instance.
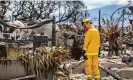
x,y
91,67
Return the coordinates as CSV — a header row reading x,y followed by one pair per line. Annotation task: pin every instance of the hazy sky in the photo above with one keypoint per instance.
x,y
100,3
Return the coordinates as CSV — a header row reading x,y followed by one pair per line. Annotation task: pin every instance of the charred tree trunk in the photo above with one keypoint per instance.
x,y
76,50
113,43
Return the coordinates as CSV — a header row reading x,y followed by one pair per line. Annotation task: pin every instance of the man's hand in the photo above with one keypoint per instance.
x,y
84,56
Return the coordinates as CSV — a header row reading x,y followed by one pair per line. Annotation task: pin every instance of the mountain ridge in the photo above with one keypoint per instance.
x,y
93,14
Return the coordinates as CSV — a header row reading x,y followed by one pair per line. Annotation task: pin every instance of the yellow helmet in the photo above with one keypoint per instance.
x,y
86,20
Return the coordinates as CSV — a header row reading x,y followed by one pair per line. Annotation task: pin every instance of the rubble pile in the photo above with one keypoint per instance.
x,y
108,78
116,66
41,61
78,77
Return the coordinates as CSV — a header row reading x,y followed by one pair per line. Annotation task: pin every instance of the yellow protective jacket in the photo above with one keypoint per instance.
x,y
92,41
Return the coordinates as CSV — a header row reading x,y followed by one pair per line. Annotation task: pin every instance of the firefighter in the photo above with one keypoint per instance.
x,y
91,50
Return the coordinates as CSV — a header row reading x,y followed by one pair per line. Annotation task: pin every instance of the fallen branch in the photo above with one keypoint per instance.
x,y
25,77
77,64
116,76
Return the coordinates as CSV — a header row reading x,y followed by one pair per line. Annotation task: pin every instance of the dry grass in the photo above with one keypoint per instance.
x,y
13,53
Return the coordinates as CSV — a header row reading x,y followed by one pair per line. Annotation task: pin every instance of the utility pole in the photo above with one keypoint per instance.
x,y
59,11
123,13
86,12
99,19
99,28
67,14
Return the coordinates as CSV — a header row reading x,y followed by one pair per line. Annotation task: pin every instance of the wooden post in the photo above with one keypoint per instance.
x,y
99,27
2,34
59,11
53,31
86,12
15,35
99,20
123,13
123,20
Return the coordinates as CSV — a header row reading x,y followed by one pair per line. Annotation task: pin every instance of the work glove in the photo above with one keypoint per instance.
x,y
84,56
